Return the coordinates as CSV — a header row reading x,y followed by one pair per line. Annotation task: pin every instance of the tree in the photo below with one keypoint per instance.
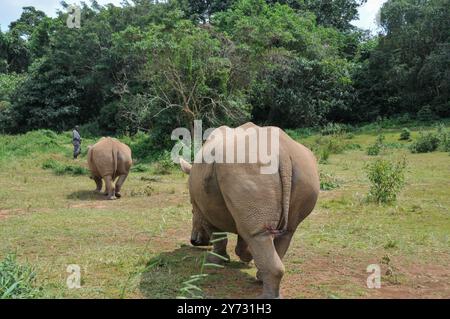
x,y
335,13
409,69
190,76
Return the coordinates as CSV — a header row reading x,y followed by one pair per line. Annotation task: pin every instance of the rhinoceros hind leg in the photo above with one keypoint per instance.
x,y
242,250
270,267
119,184
282,243
110,188
219,248
99,183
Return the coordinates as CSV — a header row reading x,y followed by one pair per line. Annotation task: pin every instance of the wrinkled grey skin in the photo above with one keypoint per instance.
x,y
264,210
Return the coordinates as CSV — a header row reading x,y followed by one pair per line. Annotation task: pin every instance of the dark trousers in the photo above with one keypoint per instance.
x,y
76,148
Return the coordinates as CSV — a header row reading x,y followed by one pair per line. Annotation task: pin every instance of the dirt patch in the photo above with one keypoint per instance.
x,y
6,213
89,205
345,277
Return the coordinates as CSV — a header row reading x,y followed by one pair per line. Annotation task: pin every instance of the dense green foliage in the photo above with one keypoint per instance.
x,y
152,67
432,141
408,71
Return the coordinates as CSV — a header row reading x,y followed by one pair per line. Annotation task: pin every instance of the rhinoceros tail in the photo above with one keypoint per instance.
x,y
114,156
285,170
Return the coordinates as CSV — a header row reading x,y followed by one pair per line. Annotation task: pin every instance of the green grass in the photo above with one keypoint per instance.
x,y
17,281
138,247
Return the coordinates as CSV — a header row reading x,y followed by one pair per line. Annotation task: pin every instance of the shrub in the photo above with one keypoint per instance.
x,y
386,178
17,281
42,141
299,133
324,155
444,138
405,135
334,129
145,147
328,182
64,169
91,130
375,149
426,143
140,168
426,114
164,165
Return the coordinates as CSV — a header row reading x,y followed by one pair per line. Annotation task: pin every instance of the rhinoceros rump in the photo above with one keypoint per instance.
x,y
263,209
109,159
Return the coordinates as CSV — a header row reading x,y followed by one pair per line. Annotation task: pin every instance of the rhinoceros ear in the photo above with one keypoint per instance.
x,y
185,166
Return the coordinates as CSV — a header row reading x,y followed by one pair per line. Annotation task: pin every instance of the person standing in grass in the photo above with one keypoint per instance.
x,y
76,141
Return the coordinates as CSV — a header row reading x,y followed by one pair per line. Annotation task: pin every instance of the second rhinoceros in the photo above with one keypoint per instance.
x,y
263,209
109,159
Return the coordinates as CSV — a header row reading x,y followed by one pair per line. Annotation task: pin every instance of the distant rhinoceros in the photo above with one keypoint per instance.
x,y
109,159
263,209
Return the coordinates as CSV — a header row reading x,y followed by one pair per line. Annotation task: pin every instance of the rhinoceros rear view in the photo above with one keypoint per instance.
x,y
109,159
263,209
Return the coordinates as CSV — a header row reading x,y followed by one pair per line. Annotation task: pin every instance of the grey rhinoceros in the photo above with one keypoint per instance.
x,y
263,209
109,159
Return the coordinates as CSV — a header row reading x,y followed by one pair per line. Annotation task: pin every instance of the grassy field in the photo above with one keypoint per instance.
x,y
138,247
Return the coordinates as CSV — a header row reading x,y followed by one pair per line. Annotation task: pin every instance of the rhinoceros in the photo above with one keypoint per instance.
x,y
109,159
264,210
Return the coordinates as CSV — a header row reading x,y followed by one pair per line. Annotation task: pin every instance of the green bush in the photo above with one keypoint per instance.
x,y
426,114
374,150
444,138
377,147
299,133
91,130
140,168
405,135
145,147
42,141
17,281
334,129
386,178
164,165
324,156
328,182
426,143
64,169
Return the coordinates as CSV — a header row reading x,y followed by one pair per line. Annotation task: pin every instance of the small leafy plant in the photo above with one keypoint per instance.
x,y
386,178
377,147
64,169
328,182
405,135
17,281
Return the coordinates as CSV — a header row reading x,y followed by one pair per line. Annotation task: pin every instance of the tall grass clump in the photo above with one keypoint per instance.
x,y
191,288
387,178
328,182
334,129
64,169
17,281
42,141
